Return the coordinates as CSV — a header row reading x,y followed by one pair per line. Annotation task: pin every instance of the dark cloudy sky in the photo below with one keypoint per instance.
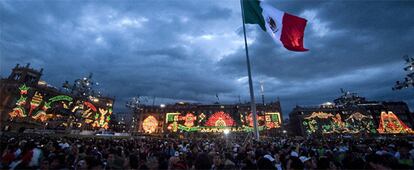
x,y
191,50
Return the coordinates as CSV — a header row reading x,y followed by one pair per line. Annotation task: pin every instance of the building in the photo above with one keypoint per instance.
x,y
192,117
29,102
351,114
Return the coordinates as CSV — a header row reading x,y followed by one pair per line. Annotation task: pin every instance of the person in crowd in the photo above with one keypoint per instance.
x,y
204,151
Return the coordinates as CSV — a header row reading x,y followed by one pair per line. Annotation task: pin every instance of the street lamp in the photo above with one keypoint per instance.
x,y
135,105
82,87
226,131
409,78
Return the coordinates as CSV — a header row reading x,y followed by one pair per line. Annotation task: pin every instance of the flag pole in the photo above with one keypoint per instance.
x,y
252,101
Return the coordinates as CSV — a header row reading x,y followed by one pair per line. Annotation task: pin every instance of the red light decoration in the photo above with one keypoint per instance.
x,y
390,123
220,119
90,105
36,100
23,89
18,111
189,119
250,119
40,115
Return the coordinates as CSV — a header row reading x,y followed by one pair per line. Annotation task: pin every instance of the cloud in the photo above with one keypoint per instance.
x,y
186,51
319,28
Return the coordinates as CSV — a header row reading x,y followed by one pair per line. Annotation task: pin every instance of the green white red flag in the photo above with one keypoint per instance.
x,y
284,28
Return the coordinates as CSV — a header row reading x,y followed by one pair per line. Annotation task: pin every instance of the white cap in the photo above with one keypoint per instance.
x,y
270,158
304,159
294,154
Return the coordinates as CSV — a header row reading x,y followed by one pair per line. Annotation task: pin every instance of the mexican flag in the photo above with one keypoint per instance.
x,y
284,28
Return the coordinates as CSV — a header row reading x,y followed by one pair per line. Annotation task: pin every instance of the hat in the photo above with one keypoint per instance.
x,y
270,158
294,154
303,159
176,153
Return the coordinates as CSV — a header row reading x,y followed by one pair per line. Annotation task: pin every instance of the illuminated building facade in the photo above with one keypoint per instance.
x,y
186,117
351,114
28,102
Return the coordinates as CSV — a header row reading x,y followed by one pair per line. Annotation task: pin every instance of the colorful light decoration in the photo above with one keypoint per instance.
x,y
60,98
100,120
216,122
201,117
220,119
272,120
391,124
357,123
90,105
170,117
189,119
36,101
150,124
325,123
260,119
23,89
40,115
321,115
19,110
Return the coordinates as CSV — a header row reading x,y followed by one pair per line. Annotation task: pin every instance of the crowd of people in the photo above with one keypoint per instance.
x,y
205,151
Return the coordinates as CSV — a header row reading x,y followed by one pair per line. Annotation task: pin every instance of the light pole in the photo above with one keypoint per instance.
x,y
135,105
409,78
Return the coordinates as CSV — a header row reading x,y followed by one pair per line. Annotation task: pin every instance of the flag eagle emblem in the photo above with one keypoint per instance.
x,y
272,24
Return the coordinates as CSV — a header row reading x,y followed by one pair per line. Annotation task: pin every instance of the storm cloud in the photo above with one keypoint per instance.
x,y
193,50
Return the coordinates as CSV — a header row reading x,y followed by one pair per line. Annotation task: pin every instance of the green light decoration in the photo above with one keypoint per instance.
x,y
275,117
59,98
23,89
19,110
170,118
188,129
21,100
327,128
250,129
322,123
46,106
